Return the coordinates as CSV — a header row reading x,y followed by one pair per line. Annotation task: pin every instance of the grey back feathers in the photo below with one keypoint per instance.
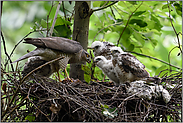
x,y
56,43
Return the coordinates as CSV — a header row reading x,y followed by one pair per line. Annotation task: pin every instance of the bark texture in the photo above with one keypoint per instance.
x,y
80,34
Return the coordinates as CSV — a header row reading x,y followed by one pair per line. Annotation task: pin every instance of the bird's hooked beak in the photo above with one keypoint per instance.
x,y
95,61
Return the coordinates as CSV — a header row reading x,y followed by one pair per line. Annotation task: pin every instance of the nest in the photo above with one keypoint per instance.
x,y
44,99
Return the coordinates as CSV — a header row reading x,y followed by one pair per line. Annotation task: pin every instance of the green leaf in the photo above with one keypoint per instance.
x,y
133,2
105,106
61,21
97,3
131,47
87,73
154,42
139,38
165,6
30,117
138,13
139,22
43,23
157,24
62,31
178,8
161,69
102,3
108,112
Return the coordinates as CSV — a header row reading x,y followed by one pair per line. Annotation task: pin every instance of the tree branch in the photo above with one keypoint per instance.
x,y
177,34
48,19
105,28
21,82
127,23
94,10
155,59
9,57
55,18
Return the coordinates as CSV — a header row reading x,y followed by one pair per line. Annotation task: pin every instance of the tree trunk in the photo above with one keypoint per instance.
x,y
80,34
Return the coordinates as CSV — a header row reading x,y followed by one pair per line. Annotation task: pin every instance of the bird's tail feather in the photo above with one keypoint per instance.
x,y
30,54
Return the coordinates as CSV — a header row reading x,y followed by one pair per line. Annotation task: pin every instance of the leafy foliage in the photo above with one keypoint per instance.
x,y
152,28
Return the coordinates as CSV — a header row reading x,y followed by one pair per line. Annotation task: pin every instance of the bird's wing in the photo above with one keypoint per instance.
x,y
33,64
63,62
35,52
56,43
130,63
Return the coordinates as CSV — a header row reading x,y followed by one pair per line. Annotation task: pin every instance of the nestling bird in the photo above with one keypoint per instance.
x,y
50,48
102,49
127,67
107,68
146,91
36,61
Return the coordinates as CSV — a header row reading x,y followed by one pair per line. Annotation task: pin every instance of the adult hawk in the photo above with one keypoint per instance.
x,y
127,67
50,48
102,49
107,68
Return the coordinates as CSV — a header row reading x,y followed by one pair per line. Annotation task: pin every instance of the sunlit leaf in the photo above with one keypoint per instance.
x,y
139,22
132,2
157,25
30,117
165,6
162,69
178,8
138,13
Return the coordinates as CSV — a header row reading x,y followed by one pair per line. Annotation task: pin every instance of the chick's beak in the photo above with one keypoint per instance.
x,y
88,60
95,61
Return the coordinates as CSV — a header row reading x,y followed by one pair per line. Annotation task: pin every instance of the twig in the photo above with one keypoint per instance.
x,y
169,55
41,67
21,82
177,34
64,10
105,28
128,98
127,23
94,10
13,109
155,59
55,18
6,53
48,19
35,105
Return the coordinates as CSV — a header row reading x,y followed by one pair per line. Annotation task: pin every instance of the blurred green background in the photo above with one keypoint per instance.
x,y
149,29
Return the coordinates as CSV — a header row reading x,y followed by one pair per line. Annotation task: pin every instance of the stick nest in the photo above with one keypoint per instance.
x,y
44,99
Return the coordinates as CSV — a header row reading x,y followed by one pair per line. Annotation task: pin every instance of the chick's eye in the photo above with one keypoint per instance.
x,y
96,47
